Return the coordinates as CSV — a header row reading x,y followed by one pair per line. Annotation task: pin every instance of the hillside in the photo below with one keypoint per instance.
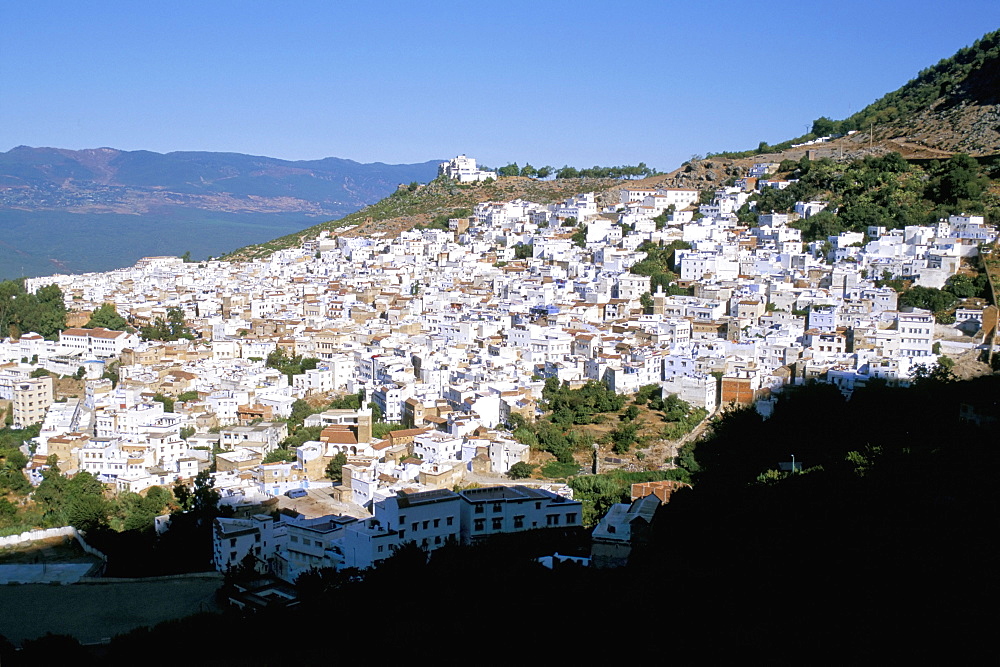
x,y
410,206
948,108
953,106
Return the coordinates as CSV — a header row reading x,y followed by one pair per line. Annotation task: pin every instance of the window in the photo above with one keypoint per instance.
x,y
295,538
519,522
538,506
571,517
413,526
437,522
426,523
480,524
497,523
232,542
380,547
497,507
480,509
402,519
437,540
450,520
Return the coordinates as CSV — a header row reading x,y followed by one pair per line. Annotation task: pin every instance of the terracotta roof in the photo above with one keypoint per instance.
x,y
338,435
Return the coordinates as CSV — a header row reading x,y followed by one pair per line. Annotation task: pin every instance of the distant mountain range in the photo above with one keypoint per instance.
x,y
59,208
106,180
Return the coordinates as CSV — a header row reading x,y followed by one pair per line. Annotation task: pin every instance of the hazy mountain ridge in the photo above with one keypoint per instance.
x,y
102,208
107,180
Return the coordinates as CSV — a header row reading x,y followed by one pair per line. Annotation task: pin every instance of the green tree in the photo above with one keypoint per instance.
x,y
168,403
823,127
335,469
280,455
158,497
624,437
43,312
962,286
173,328
646,300
959,179
78,501
133,511
106,316
205,498
521,470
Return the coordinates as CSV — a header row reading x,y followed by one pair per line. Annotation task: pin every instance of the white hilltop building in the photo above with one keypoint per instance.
x,y
463,169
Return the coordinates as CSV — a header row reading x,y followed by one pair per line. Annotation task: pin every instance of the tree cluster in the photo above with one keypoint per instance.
x,y
599,492
106,317
949,77
659,265
290,365
43,312
626,171
174,328
884,191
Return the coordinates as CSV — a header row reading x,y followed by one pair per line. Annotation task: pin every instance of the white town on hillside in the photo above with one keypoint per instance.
x,y
449,333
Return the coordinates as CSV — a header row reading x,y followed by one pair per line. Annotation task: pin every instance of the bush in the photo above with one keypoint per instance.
x,y
520,470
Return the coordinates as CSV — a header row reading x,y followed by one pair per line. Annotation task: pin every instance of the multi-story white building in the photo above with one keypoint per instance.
x,y
32,397
513,509
916,333
97,342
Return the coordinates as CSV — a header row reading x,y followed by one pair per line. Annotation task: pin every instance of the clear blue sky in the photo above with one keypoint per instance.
x,y
546,82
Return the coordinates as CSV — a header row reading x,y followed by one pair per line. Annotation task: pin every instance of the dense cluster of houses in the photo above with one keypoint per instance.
x,y
451,331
